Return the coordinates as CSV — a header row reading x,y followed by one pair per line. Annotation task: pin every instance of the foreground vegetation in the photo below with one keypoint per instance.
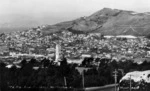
x,y
47,74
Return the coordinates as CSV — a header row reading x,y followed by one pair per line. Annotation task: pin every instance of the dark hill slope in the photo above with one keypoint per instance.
x,y
108,21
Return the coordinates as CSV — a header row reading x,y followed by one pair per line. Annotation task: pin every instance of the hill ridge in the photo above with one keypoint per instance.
x,y
108,22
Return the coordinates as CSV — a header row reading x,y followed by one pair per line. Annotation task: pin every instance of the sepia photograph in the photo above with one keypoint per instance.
x,y
74,45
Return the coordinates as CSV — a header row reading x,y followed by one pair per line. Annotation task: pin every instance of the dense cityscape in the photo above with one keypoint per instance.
x,y
34,44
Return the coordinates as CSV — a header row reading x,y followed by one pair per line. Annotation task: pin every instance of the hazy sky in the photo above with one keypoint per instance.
x,y
53,11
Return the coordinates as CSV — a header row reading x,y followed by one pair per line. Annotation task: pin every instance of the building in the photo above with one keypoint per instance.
x,y
57,52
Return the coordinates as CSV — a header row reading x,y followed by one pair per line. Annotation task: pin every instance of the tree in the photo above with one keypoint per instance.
x,y
3,76
45,62
23,62
87,62
64,68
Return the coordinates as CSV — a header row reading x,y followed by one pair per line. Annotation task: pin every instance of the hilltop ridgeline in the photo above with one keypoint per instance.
x,y
108,22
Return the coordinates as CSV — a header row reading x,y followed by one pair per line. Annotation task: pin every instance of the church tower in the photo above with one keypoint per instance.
x,y
57,52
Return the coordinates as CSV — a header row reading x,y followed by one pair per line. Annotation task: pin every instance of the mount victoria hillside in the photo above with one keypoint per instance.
x,y
108,22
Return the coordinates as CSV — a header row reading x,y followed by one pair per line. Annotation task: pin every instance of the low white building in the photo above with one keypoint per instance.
x,y
137,76
72,61
126,36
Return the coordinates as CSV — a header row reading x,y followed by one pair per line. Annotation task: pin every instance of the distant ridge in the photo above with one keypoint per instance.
x,y
109,22
106,21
